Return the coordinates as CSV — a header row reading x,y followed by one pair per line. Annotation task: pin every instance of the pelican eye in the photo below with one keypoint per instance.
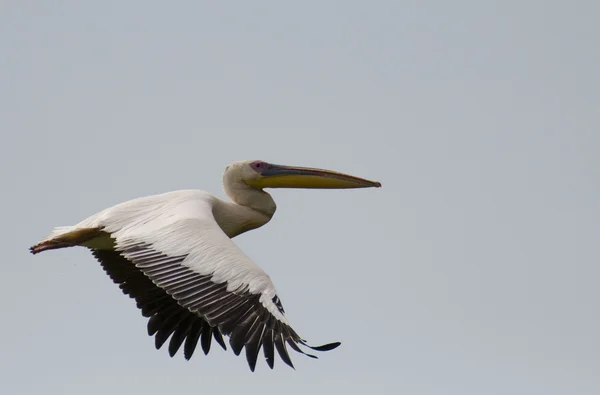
x,y
259,165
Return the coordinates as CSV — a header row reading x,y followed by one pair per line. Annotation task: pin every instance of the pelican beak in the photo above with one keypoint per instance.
x,y
278,176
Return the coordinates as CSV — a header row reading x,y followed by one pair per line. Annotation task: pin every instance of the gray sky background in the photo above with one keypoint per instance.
x,y
474,270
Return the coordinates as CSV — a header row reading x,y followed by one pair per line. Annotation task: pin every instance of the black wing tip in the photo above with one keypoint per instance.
x,y
325,347
219,338
270,362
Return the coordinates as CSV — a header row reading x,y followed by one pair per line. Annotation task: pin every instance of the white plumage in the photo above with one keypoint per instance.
x,y
181,223
173,253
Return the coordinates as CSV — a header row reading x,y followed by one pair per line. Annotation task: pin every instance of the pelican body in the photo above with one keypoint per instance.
x,y
174,255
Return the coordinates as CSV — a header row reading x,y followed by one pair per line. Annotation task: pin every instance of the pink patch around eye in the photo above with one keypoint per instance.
x,y
258,165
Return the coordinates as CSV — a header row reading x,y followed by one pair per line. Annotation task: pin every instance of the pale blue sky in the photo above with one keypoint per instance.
x,y
474,270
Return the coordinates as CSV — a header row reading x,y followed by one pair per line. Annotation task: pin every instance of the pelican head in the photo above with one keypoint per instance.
x,y
259,174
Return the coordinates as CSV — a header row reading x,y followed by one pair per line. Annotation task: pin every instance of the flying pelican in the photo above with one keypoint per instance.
x,y
173,254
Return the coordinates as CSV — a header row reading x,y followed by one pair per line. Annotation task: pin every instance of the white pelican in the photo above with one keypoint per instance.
x,y
173,254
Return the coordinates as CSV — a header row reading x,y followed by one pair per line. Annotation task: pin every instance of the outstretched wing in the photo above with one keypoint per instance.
x,y
167,317
181,249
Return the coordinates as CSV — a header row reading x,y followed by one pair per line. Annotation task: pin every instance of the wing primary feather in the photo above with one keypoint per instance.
x,y
206,338
156,321
295,347
236,339
180,335
229,323
252,328
153,324
253,344
192,339
324,347
167,328
219,338
150,307
280,345
243,332
268,348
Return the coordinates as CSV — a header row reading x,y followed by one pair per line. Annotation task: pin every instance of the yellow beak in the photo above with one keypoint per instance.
x,y
278,176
